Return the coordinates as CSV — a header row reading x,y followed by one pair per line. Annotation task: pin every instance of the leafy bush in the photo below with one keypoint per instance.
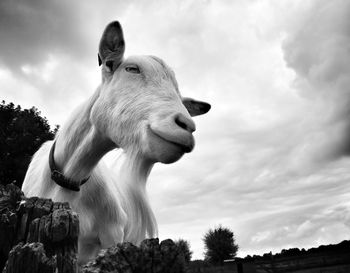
x,y
22,132
219,245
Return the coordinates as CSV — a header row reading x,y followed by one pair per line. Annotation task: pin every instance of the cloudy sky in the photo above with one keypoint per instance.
x,y
272,156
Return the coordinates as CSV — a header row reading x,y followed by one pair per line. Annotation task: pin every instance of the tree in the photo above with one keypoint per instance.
x,y
184,248
219,245
21,134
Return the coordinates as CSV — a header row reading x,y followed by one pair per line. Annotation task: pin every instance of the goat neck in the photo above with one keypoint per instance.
x,y
79,145
132,173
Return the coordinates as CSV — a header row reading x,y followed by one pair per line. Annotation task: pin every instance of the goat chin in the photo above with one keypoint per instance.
x,y
163,151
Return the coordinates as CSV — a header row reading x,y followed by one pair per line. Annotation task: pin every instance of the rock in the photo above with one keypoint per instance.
x,y
150,257
41,233
29,258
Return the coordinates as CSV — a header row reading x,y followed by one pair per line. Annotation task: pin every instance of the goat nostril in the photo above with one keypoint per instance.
x,y
185,123
181,124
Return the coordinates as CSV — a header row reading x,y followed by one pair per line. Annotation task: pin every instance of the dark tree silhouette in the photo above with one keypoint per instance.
x,y
22,131
184,247
219,245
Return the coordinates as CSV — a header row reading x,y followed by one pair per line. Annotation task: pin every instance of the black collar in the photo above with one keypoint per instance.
x,y
59,178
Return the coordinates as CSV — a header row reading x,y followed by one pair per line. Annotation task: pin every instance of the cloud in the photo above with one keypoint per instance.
x,y
31,31
317,49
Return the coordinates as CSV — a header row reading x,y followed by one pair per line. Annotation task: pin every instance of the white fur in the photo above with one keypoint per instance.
x,y
133,112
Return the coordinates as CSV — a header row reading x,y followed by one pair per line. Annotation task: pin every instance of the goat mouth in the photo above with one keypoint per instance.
x,y
185,148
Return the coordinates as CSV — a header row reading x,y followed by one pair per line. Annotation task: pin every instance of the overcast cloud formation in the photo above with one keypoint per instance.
x,y
272,156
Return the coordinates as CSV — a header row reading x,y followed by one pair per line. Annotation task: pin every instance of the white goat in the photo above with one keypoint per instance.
x,y
137,108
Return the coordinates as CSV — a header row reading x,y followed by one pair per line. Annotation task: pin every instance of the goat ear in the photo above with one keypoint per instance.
x,y
195,107
112,46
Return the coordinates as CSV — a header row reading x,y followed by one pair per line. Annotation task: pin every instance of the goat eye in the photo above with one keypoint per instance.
x,y
132,69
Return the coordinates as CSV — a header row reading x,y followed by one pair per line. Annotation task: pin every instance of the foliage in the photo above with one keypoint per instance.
x,y
22,132
219,245
338,249
184,247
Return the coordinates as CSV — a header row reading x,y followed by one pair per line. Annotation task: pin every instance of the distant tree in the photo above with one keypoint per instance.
x,y
184,247
22,131
290,252
219,245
